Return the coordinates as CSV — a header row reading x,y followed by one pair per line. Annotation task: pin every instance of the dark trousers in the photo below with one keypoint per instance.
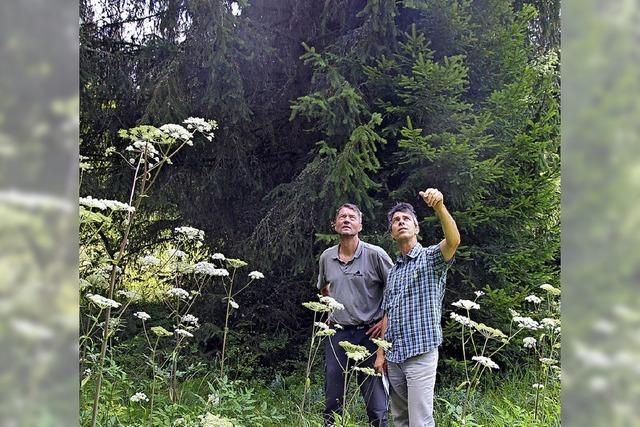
x,y
371,387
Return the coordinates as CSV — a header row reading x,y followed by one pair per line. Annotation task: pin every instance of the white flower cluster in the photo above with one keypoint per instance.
x,y
103,302
190,233
466,304
190,319
127,294
234,304
353,351
213,420
316,306
368,371
331,303
139,397
178,292
326,332
209,269
550,323
256,275
529,342
489,332
142,315
534,299
383,344
201,125
548,361
218,256
177,132
463,320
550,289
183,333
150,260
171,253
213,399
538,386
103,204
479,293
321,325
526,322
486,361
144,148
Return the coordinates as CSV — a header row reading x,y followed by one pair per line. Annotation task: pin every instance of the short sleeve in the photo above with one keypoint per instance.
x,y
321,275
440,266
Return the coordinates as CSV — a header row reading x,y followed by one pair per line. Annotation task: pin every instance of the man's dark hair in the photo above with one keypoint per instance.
x,y
402,207
349,206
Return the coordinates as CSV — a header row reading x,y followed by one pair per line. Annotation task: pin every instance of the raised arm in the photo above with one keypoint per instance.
x,y
434,199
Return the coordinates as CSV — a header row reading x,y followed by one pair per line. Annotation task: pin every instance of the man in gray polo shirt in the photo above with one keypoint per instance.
x,y
354,273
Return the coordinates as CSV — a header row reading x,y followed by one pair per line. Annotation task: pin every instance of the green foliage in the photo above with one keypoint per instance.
x,y
321,104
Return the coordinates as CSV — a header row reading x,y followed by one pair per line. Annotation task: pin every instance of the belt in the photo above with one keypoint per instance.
x,y
357,327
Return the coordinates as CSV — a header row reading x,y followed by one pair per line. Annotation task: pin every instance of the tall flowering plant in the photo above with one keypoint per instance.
x,y
106,224
479,352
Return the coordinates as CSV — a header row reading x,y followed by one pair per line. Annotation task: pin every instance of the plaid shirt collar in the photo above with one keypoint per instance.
x,y
414,252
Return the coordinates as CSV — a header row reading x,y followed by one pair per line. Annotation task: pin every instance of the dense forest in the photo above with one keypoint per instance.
x,y
318,103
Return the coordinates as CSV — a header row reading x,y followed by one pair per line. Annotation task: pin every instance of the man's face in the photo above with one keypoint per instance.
x,y
403,227
348,222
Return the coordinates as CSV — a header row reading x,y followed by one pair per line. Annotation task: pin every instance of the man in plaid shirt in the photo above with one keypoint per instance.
x,y
413,306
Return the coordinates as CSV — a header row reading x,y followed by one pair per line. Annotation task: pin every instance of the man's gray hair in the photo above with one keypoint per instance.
x,y
402,207
349,206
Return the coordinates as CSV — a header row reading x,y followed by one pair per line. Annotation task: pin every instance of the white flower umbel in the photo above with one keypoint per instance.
x,y
529,342
526,323
190,233
234,304
220,272
176,131
201,125
213,399
534,299
463,320
127,294
139,397
150,260
190,319
489,332
385,345
206,268
218,256
332,303
368,371
183,333
321,325
256,275
479,293
103,302
550,289
178,292
486,361
316,306
103,204
550,323
141,315
353,351
538,386
548,361
175,253
466,304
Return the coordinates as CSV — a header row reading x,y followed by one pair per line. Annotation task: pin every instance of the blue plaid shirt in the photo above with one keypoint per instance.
x,y
413,302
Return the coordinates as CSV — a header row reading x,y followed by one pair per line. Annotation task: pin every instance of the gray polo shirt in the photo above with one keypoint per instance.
x,y
357,284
